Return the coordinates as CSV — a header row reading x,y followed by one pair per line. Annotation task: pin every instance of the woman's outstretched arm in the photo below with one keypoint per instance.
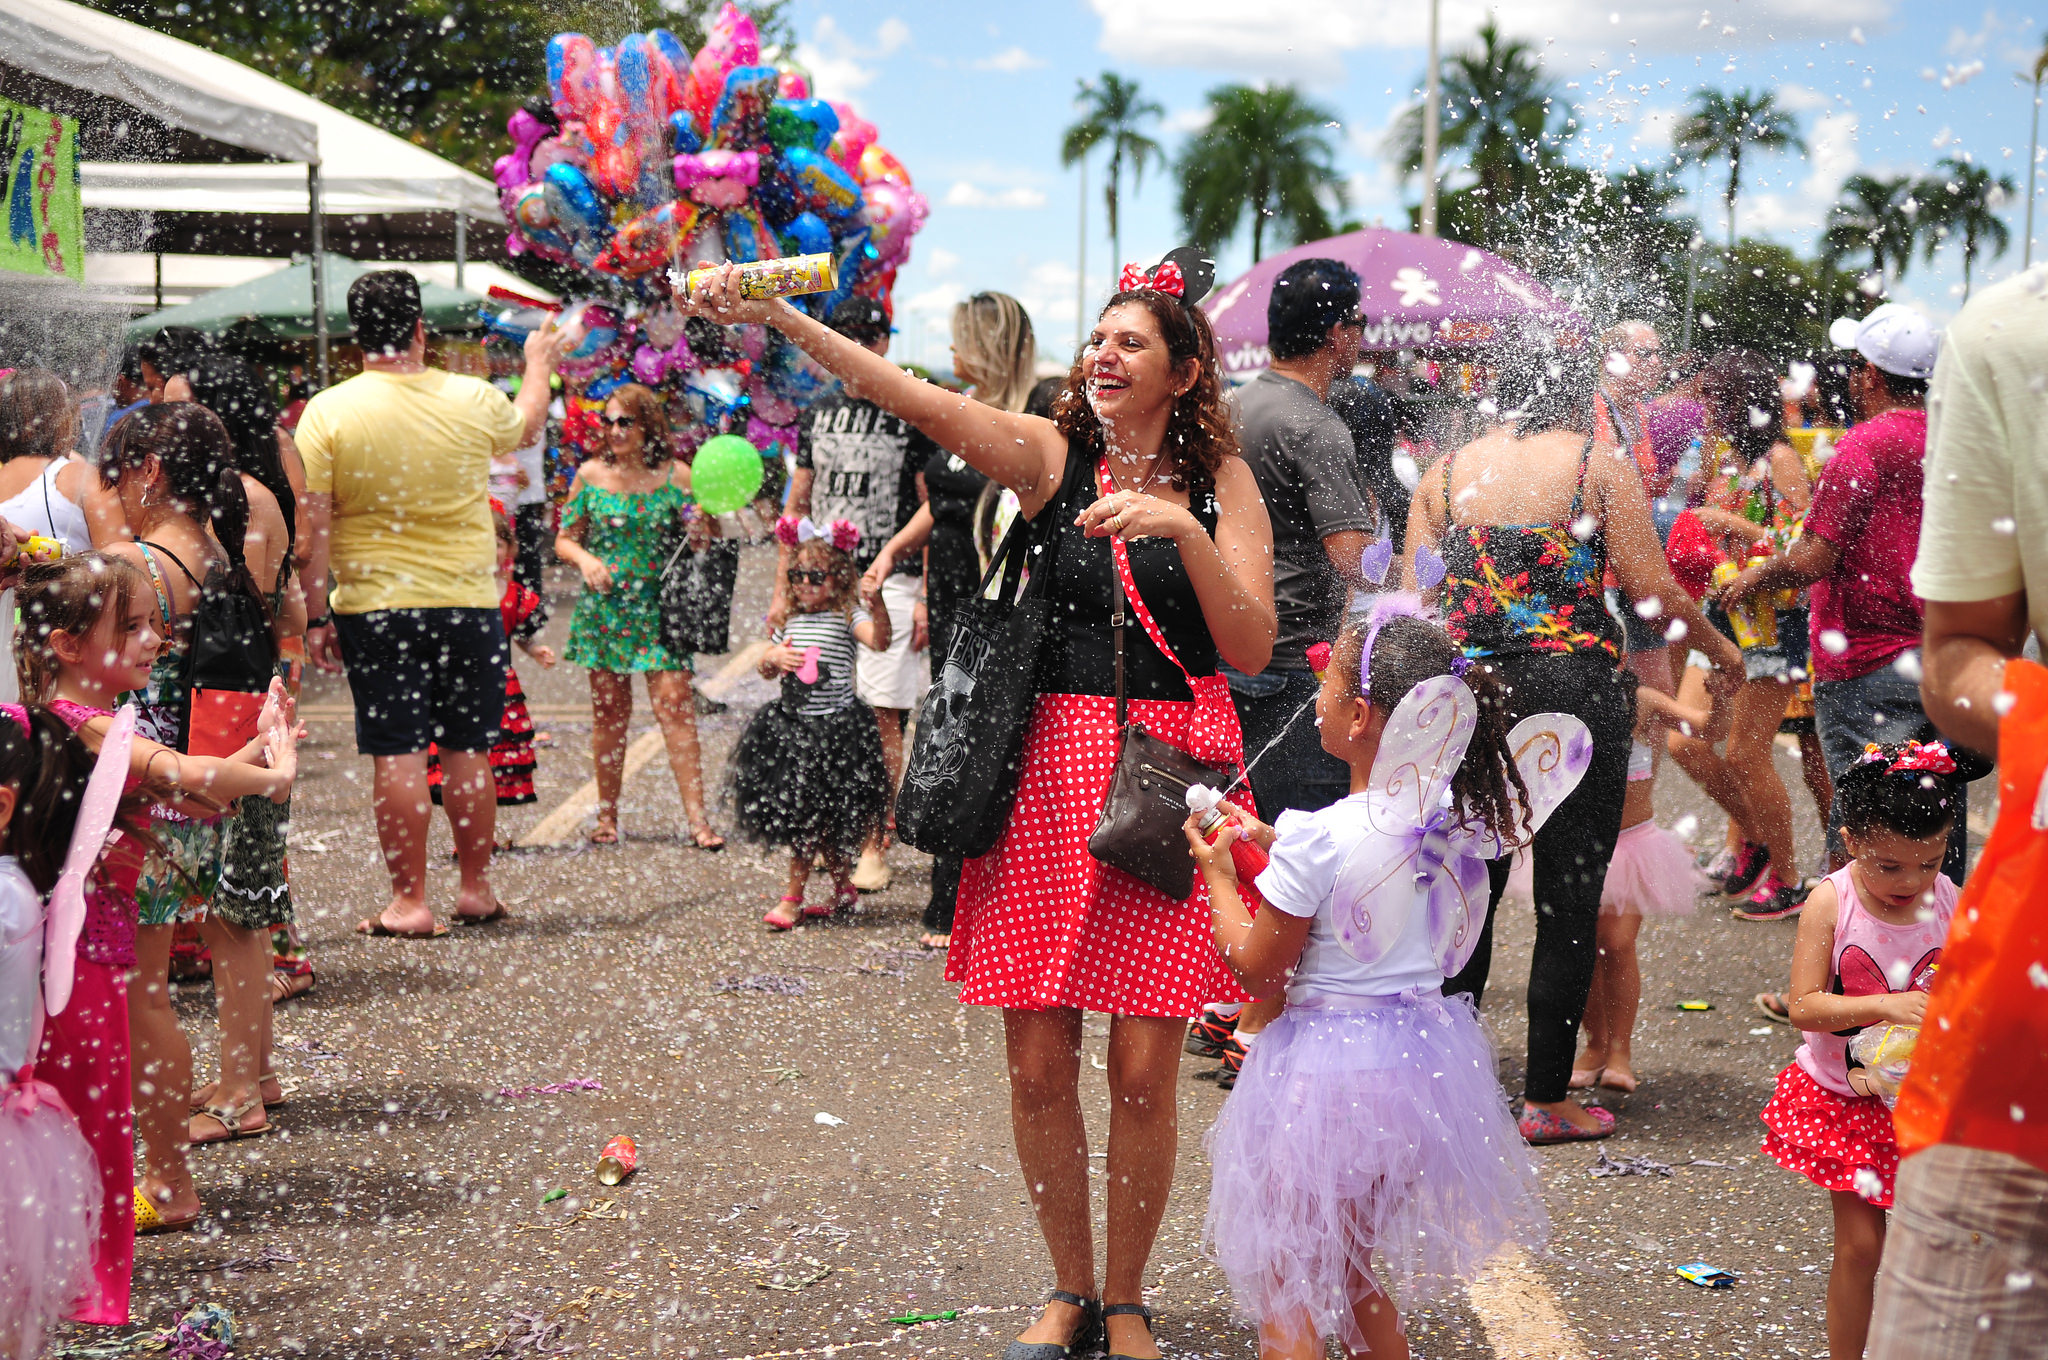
x,y
1027,454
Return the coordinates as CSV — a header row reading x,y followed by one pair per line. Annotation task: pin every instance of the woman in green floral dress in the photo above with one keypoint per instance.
x,y
619,507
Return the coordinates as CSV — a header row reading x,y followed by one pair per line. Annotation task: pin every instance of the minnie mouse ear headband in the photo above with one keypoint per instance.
x,y
842,534
1186,273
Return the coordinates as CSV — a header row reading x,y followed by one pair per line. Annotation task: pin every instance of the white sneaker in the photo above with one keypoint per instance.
x,y
871,874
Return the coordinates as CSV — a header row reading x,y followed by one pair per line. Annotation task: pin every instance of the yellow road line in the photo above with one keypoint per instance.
x,y
1523,1319
560,825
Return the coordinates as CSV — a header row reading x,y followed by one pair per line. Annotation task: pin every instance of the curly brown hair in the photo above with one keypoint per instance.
x,y
1200,433
1408,651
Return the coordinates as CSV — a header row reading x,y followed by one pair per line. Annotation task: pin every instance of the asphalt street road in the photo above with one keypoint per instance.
x,y
824,1132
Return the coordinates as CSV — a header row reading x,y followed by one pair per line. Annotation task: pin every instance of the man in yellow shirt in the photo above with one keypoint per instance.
x,y
397,502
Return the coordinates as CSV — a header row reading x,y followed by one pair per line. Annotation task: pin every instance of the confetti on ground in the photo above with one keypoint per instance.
x,y
789,1280
1627,1166
766,984
269,1258
553,1088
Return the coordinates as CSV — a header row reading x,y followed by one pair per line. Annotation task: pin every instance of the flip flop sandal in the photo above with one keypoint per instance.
x,y
230,1120
286,983
844,900
496,913
376,929
270,1079
775,924
148,1221
697,835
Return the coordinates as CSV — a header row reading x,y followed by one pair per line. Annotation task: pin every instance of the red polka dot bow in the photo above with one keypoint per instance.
x,y
1931,757
1167,278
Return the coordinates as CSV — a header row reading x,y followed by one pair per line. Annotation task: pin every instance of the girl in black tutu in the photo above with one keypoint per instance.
x,y
807,772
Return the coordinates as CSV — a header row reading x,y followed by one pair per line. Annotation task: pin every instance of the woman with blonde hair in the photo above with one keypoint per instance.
x,y
620,506
995,355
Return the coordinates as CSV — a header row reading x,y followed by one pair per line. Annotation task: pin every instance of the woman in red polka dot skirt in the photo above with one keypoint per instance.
x,y
1042,929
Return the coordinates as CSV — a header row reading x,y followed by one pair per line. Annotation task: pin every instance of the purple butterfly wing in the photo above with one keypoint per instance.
x,y
1374,897
1457,911
1420,749
1552,750
95,820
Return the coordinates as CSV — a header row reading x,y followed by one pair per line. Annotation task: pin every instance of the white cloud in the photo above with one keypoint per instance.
x,y
1831,157
1010,59
1046,288
1186,122
840,65
941,260
967,194
1307,39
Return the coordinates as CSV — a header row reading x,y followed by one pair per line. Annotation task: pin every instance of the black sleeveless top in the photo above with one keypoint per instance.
x,y
1079,656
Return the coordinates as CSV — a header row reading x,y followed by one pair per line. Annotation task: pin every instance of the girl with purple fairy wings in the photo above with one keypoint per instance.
x,y
1367,1153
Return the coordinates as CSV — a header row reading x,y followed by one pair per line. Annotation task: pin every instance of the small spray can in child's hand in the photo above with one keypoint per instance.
x,y
1245,853
1755,623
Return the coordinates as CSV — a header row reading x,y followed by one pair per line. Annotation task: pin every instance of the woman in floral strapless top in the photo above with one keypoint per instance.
x,y
1528,518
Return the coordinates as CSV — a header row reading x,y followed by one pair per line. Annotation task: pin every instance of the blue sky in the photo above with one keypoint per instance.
x,y
973,97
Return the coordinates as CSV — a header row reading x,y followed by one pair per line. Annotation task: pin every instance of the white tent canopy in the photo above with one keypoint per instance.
x,y
185,87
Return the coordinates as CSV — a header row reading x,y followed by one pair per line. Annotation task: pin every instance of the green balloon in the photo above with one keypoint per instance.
x,y
726,474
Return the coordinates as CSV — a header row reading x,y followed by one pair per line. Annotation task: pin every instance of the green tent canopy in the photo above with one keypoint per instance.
x,y
279,305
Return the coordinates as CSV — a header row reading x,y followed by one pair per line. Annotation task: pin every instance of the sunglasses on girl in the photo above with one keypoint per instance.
x,y
618,422
809,578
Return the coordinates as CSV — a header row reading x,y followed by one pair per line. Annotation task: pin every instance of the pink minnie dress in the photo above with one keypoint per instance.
x,y
1818,1125
85,1055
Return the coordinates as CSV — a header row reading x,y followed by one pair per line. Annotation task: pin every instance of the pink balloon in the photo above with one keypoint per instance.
x,y
794,84
894,213
856,135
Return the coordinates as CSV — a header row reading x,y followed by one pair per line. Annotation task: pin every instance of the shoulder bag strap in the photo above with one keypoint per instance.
x,y
1123,587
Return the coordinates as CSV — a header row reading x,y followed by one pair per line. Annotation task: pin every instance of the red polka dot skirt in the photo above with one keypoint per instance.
x,y
1042,923
1828,1138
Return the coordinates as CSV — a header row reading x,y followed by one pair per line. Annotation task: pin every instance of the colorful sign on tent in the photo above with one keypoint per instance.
x,y
45,215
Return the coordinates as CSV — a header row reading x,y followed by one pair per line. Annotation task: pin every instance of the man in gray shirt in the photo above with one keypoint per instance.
x,y
1323,519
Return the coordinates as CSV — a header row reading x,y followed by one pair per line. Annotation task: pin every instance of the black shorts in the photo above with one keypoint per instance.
x,y
425,676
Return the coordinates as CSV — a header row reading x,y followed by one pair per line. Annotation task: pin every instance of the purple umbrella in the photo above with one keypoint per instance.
x,y
1418,292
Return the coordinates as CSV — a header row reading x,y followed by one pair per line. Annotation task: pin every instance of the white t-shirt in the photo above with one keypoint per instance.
x,y
1985,530
1308,854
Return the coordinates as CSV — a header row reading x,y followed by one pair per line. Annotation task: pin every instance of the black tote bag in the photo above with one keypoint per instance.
x,y
961,779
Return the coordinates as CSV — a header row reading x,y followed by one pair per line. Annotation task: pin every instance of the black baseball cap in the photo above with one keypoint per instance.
x,y
861,319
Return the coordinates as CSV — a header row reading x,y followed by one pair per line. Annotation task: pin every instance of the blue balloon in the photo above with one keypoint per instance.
x,y
635,75
670,46
683,129
578,211
826,188
809,233
820,115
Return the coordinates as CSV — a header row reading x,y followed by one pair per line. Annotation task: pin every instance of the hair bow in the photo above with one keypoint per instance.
x,y
1928,757
842,534
1167,278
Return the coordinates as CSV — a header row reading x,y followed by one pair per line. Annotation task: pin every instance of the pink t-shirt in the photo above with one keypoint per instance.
x,y
1867,506
1871,958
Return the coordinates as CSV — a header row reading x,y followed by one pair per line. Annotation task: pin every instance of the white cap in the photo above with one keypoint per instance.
x,y
1895,337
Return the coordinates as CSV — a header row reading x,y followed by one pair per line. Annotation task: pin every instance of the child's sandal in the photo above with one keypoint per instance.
x,y
845,897
782,923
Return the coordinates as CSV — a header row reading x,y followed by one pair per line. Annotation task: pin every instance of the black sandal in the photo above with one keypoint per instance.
x,y
1086,1337
1125,1310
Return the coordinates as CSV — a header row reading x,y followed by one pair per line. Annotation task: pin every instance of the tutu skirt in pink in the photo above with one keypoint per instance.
x,y
49,1212
1368,1138
1651,874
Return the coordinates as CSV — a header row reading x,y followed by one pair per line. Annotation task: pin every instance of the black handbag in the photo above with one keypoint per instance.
x,y
961,779
1140,831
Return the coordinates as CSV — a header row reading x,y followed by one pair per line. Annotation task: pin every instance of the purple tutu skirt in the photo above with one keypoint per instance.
x,y
1366,1144
1651,874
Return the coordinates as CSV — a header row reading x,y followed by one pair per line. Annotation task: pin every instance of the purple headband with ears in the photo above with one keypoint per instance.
x,y
1373,565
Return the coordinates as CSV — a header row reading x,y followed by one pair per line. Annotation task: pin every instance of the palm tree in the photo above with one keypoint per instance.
x,y
1112,112
1263,151
1876,216
1496,109
1723,124
1963,200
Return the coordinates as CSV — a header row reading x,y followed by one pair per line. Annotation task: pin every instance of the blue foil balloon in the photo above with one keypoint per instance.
x,y
577,210
809,233
684,132
826,188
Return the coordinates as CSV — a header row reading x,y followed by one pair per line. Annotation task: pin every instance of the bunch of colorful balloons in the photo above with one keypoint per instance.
x,y
646,161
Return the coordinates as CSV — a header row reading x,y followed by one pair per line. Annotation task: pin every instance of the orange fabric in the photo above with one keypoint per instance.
x,y
1979,1076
